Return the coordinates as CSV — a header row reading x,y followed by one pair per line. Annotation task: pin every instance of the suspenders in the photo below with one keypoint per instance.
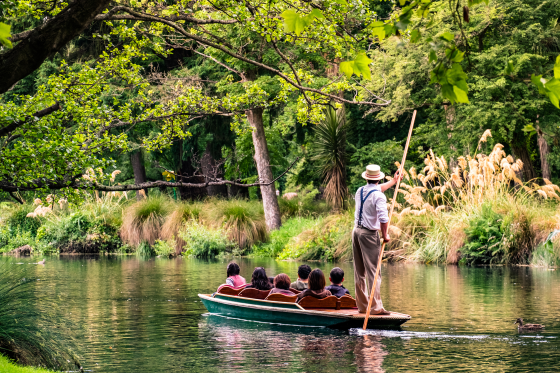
x,y
362,200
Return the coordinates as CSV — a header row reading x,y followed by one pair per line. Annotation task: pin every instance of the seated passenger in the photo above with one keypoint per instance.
x,y
282,285
259,280
233,278
303,275
336,288
316,285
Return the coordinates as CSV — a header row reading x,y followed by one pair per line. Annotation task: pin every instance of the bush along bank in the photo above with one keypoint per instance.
x,y
475,212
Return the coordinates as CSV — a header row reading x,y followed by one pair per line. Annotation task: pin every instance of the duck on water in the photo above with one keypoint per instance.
x,y
522,326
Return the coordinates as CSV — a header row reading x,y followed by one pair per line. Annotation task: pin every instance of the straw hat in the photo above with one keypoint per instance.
x,y
373,172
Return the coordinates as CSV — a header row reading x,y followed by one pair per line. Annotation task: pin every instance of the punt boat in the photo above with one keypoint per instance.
x,y
332,312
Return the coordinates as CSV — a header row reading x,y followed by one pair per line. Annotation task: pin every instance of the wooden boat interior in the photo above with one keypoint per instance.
x,y
277,297
230,290
328,303
254,293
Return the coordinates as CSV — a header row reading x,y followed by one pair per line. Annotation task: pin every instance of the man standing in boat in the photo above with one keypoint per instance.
x,y
371,224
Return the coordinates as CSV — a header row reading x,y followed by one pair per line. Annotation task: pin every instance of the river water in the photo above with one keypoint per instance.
x,y
134,315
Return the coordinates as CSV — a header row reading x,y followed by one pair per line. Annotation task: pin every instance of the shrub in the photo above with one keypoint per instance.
x,y
485,234
145,250
28,335
242,220
143,221
328,238
17,220
165,248
279,238
305,204
203,242
8,242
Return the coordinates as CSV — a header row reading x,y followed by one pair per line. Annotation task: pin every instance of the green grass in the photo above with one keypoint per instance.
x,y
28,335
7,366
242,220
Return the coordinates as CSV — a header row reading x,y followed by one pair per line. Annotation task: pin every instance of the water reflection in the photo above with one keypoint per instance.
x,y
145,316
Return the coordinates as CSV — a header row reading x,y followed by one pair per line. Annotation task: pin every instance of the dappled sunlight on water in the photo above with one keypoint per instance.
x,y
145,316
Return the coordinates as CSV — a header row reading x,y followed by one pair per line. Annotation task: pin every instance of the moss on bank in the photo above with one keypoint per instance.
x,y
7,366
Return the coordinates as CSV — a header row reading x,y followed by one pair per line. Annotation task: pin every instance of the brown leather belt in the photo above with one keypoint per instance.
x,y
367,229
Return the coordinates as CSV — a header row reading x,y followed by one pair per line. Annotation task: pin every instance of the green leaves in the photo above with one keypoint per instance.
x,y
360,66
453,80
550,87
509,68
415,36
381,30
293,22
474,2
5,35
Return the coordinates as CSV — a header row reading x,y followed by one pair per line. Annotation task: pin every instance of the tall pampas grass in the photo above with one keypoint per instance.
x,y
440,203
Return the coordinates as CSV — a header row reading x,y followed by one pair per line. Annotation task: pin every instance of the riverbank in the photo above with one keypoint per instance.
x,y
6,366
507,230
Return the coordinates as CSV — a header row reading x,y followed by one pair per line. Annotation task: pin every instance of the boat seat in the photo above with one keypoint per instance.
x,y
295,291
312,302
277,297
328,302
347,301
230,290
254,293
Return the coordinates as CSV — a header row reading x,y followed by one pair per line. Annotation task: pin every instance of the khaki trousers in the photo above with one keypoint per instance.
x,y
365,249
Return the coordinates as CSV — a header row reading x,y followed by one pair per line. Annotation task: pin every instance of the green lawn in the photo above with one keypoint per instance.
x,y
6,366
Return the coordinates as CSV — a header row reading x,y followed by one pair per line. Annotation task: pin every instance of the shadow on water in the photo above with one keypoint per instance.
x,y
137,315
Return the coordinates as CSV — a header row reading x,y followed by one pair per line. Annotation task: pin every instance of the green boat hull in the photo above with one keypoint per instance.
x,y
293,314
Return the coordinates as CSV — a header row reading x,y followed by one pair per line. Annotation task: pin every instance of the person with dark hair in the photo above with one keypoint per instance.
x,y
233,278
259,280
282,285
336,288
371,224
316,283
303,274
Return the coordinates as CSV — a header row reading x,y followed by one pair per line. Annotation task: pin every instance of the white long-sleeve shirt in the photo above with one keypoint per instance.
x,y
375,208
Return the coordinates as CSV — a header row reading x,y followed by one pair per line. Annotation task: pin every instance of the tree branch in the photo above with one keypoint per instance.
x,y
173,18
78,184
41,113
45,40
150,18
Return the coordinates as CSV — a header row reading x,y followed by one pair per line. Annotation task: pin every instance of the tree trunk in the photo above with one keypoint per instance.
x,y
262,159
139,173
212,171
528,170
47,39
544,151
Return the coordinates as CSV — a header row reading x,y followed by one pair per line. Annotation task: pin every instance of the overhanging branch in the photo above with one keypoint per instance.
x,y
41,113
138,16
78,183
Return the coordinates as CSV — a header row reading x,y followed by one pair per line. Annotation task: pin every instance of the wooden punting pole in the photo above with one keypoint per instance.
x,y
401,172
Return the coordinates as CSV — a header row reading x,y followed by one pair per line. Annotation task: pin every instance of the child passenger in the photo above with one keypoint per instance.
x,y
316,285
303,274
282,285
336,288
233,278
